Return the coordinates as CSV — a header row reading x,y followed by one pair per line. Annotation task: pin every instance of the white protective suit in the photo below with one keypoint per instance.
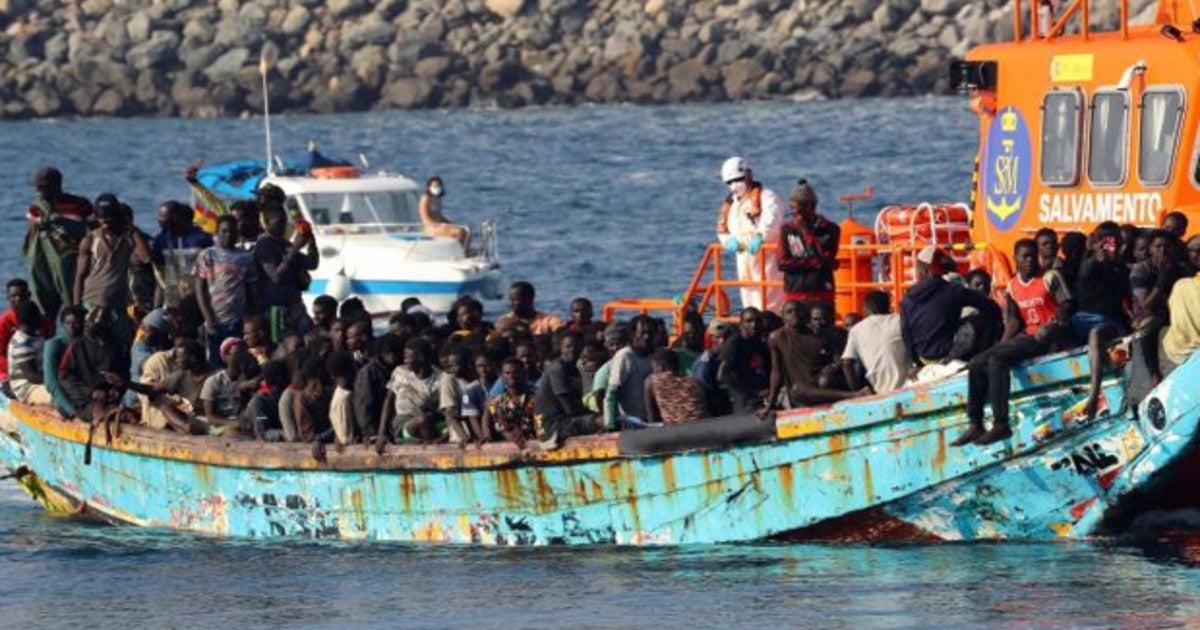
x,y
744,228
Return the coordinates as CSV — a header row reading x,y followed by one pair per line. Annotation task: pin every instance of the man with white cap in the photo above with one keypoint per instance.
x,y
750,216
930,313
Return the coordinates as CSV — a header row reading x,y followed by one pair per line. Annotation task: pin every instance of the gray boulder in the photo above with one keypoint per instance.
x,y
370,65
43,100
109,103
296,21
224,68
408,93
138,27
370,30
341,9
433,67
689,79
158,51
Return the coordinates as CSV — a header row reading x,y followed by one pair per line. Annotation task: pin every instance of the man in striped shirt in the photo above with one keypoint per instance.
x,y
25,356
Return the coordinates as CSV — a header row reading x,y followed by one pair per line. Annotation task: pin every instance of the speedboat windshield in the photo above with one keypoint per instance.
x,y
395,209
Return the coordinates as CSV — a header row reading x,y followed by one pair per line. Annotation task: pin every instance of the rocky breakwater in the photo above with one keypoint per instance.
x,y
201,58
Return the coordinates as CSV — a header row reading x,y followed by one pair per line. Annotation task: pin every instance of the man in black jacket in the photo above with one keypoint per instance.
x,y
931,319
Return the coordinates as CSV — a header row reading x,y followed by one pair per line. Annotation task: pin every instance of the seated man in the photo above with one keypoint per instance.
x,y
624,394
1101,291
1176,223
1037,309
876,347
324,313
475,396
1183,336
559,395
310,408
370,385
71,320
978,280
18,292
582,321
671,396
221,395
1047,242
87,358
706,367
410,409
690,344
25,356
520,298
833,343
186,382
931,315
745,365
260,419
470,327
1150,283
797,356
511,414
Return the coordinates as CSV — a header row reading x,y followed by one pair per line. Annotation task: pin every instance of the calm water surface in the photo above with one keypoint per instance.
x,y
599,201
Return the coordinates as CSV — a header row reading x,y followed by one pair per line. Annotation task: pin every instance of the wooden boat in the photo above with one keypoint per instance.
x,y
876,468
871,469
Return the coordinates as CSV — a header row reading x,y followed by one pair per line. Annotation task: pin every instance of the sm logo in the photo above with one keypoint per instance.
x,y
1006,168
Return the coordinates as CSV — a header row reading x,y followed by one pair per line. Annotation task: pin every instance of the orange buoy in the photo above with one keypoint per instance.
x,y
854,266
334,172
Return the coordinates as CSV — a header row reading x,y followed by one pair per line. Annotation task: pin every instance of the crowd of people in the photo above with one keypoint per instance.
x,y
209,334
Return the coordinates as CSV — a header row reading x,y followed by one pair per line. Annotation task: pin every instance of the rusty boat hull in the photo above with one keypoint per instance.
x,y
877,468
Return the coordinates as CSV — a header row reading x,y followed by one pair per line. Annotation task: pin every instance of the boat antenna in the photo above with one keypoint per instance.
x,y
266,59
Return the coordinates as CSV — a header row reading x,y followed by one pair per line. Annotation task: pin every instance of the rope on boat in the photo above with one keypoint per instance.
x,y
109,420
19,473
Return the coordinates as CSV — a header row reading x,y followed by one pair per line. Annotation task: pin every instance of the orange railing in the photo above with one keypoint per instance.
x,y
707,292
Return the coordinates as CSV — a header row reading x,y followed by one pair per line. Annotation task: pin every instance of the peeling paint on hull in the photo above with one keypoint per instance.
x,y
871,469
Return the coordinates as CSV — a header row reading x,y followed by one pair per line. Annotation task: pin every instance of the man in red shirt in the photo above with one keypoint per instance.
x,y
808,247
1037,309
18,291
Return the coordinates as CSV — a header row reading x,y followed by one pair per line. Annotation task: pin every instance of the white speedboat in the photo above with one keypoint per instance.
x,y
372,242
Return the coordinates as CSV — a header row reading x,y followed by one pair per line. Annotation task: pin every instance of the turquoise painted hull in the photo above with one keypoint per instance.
x,y
877,468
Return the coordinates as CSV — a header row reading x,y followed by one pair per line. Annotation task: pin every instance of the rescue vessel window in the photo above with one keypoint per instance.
x,y
1061,121
1108,153
1159,134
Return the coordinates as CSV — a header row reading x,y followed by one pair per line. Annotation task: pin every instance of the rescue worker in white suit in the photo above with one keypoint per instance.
x,y
750,217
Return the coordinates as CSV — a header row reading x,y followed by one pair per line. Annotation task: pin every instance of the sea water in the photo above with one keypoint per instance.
x,y
603,202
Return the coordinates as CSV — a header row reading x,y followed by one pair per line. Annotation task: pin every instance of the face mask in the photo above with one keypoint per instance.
x,y
436,191
738,188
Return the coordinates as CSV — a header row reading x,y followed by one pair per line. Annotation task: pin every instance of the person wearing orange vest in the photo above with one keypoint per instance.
x,y
750,216
1037,309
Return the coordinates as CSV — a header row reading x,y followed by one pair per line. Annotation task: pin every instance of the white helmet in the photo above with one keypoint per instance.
x,y
734,168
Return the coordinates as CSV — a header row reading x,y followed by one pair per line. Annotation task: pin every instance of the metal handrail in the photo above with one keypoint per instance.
x,y
893,259
1082,7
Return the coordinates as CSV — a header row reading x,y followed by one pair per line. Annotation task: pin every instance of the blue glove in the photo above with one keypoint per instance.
x,y
731,246
755,245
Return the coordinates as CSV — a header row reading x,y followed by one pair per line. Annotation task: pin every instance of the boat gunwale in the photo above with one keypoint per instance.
x,y
792,424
